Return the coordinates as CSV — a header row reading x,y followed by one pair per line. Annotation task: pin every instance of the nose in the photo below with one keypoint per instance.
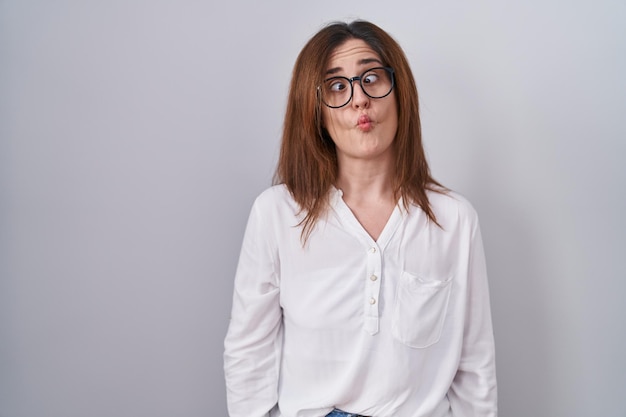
x,y
359,98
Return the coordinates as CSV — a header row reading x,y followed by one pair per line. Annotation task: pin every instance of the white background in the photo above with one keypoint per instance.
x,y
134,136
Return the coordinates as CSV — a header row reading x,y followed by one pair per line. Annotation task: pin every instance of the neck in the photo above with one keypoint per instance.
x,y
365,180
367,191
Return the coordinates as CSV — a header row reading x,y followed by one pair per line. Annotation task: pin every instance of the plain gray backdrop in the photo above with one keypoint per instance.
x,y
134,136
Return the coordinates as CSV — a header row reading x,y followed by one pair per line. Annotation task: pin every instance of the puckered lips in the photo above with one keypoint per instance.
x,y
364,123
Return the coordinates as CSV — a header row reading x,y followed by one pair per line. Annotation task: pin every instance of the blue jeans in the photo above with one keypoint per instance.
x,y
339,413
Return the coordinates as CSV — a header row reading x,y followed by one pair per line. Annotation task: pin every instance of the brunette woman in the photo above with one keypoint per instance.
x,y
361,287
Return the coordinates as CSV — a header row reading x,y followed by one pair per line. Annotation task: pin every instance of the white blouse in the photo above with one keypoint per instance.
x,y
398,327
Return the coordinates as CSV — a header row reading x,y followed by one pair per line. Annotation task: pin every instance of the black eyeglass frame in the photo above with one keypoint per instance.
x,y
358,78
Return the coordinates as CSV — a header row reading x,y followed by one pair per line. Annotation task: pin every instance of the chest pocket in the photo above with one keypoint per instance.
x,y
420,310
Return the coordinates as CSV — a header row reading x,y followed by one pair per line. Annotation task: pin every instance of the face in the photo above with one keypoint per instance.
x,y
365,128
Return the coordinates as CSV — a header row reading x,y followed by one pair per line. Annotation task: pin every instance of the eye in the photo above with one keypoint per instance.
x,y
370,78
336,85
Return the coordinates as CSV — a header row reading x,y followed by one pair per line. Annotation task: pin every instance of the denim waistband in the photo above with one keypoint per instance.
x,y
338,413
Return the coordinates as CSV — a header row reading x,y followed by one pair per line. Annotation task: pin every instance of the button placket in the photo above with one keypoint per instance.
x,y
372,289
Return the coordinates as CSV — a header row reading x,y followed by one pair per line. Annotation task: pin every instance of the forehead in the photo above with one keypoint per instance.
x,y
351,52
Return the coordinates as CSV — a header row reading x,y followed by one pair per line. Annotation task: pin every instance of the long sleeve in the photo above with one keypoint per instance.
x,y
253,342
473,392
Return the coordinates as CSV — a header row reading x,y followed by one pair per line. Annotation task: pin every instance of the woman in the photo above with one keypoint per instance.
x,y
361,287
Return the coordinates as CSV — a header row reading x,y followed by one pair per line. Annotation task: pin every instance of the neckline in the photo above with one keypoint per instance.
x,y
347,218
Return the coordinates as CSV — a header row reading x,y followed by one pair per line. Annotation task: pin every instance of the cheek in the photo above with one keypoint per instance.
x,y
329,120
325,117
393,117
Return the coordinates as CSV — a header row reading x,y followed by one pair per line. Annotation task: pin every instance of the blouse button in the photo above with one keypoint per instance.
x,y
373,277
372,301
373,249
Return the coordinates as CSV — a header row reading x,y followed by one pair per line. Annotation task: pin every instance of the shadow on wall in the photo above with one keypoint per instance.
x,y
520,308
516,262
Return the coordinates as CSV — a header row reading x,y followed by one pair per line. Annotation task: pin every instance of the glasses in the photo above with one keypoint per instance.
x,y
375,82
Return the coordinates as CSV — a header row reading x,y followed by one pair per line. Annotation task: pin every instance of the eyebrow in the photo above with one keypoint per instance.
x,y
361,62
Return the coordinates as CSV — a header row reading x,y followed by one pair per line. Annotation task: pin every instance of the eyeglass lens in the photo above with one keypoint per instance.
x,y
375,82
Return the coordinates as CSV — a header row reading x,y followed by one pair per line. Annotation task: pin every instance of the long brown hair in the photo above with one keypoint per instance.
x,y
307,164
